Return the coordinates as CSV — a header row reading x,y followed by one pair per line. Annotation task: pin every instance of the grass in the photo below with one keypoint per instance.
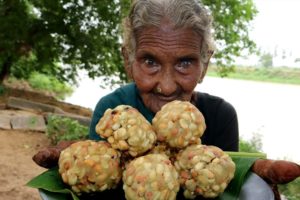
x,y
266,74
42,83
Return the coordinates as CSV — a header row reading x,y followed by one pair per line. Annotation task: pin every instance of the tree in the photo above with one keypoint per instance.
x,y
231,24
61,37
37,35
266,60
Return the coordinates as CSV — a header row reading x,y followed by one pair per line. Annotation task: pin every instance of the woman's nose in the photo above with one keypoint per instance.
x,y
167,83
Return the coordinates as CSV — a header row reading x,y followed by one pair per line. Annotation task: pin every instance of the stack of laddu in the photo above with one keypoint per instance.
x,y
153,160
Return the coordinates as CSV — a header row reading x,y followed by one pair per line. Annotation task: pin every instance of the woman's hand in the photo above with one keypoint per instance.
x,y
276,171
49,156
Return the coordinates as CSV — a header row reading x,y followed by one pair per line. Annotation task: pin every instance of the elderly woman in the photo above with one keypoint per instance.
x,y
167,47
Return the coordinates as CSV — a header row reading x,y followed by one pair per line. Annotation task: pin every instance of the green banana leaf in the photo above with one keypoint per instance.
x,y
243,162
51,183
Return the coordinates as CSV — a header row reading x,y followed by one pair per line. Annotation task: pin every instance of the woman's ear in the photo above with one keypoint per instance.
x,y
205,66
203,73
128,68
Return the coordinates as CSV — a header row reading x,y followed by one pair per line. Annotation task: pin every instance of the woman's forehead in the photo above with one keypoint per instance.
x,y
167,38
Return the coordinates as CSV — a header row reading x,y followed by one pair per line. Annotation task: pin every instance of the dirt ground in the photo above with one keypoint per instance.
x,y
18,147
16,165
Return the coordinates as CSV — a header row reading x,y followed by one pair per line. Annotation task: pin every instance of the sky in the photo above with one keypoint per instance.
x,y
277,25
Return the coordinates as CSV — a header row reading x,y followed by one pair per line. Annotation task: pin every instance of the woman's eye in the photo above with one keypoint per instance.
x,y
150,65
150,62
185,63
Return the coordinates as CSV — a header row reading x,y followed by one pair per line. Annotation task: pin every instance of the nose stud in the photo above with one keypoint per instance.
x,y
158,90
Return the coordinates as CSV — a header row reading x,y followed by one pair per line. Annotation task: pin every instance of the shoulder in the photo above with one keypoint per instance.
x,y
123,91
210,100
208,103
122,95
221,122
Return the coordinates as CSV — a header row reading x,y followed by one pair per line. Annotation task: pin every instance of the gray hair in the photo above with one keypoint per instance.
x,y
182,13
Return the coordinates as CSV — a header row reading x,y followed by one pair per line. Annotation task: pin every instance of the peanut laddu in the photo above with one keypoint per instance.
x,y
150,177
204,171
179,123
89,166
127,130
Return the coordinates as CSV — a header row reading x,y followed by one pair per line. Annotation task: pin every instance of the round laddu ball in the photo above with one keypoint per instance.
x,y
127,130
179,123
163,148
90,166
150,177
204,170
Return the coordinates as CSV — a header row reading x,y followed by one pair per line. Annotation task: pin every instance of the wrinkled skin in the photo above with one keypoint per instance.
x,y
276,171
48,157
167,58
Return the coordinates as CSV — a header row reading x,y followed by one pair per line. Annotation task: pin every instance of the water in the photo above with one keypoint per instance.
x,y
271,110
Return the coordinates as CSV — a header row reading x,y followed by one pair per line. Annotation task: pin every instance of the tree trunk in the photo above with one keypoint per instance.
x,y
4,73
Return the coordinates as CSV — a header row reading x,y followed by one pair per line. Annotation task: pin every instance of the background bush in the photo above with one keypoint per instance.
x,y
63,128
51,84
1,90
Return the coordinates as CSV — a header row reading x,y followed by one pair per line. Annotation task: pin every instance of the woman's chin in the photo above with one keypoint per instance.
x,y
155,107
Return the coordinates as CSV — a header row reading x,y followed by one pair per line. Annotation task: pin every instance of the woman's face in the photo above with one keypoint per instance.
x,y
167,59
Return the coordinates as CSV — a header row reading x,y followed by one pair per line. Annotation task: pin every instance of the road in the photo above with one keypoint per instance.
x,y
268,109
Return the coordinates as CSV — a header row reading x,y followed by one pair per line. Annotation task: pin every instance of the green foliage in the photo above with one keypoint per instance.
x,y
224,71
291,190
253,145
43,83
79,34
2,89
231,25
266,60
23,67
63,128
53,185
36,35
269,74
49,83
